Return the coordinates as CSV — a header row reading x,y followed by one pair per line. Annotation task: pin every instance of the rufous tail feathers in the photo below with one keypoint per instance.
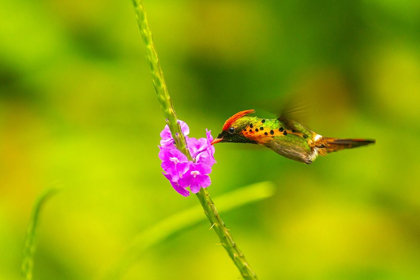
x,y
327,145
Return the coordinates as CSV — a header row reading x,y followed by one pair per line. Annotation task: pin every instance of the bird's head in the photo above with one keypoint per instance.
x,y
233,129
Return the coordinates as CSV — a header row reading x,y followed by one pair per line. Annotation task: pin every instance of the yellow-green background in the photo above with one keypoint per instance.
x,y
77,107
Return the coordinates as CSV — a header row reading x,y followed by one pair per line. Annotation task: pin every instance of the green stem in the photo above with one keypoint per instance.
x,y
158,79
30,247
183,220
225,237
166,104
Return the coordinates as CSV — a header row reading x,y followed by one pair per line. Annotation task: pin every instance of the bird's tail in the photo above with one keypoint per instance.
x,y
327,145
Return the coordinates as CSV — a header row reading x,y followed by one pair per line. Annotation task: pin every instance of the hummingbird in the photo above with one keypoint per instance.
x,y
284,136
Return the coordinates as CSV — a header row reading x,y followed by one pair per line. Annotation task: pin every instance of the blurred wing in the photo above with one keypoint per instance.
x,y
293,113
287,108
294,108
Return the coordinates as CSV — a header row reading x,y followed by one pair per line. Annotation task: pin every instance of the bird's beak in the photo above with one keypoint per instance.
x,y
217,140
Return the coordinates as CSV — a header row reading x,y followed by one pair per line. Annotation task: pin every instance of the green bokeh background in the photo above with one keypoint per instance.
x,y
77,107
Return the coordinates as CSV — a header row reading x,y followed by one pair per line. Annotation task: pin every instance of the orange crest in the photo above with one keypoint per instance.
x,y
235,117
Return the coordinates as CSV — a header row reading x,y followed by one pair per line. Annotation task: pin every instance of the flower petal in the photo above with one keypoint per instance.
x,y
183,167
165,133
205,158
176,186
195,186
186,181
204,181
201,181
184,127
202,168
209,140
162,154
171,158
179,155
168,143
209,136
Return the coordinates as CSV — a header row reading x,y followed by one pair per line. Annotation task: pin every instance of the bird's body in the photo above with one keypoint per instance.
x,y
286,137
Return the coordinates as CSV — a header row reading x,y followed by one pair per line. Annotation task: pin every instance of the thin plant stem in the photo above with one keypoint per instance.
x,y
183,220
166,104
30,246
158,79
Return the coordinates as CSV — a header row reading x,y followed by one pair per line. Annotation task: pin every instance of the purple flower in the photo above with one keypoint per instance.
x,y
196,177
210,149
196,146
201,150
176,186
181,172
167,140
209,140
174,162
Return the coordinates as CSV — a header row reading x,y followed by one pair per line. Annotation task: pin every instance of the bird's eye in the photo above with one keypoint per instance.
x,y
231,130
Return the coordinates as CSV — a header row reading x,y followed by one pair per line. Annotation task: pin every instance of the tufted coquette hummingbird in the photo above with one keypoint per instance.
x,y
284,136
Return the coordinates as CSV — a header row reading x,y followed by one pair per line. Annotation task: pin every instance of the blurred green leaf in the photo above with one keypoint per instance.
x,y
30,246
186,219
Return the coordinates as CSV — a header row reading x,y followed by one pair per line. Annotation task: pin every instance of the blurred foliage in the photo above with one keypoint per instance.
x,y
183,220
30,242
77,105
